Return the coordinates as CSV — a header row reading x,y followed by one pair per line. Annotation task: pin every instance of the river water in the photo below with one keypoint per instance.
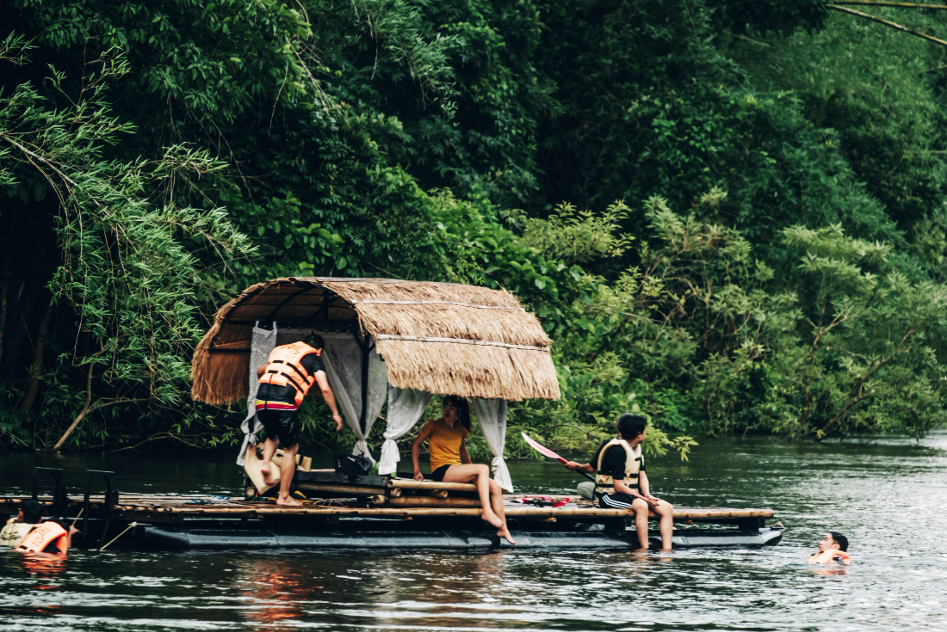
x,y
887,496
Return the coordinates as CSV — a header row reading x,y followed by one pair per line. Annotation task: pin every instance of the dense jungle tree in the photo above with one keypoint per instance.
x,y
726,213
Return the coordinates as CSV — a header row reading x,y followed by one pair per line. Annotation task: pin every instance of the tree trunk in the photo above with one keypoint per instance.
x,y
18,329
37,367
82,413
4,303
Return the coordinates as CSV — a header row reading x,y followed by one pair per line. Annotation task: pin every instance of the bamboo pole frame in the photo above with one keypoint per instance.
x,y
178,505
432,485
354,490
429,501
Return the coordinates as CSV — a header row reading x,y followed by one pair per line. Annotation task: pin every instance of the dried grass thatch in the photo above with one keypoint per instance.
x,y
438,337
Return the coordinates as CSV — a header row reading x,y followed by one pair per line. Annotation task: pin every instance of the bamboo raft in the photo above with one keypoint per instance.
x,y
176,509
383,512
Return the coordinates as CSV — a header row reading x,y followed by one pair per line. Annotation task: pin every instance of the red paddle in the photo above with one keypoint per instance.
x,y
547,452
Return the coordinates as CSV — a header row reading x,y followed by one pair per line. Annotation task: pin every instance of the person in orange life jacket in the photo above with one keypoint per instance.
x,y
30,515
621,481
450,461
284,382
29,533
832,550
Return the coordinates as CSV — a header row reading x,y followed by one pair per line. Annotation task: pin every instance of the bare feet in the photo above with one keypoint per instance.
x,y
642,549
267,473
504,533
288,501
492,518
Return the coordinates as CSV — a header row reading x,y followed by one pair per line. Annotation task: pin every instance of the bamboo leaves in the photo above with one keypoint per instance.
x,y
126,269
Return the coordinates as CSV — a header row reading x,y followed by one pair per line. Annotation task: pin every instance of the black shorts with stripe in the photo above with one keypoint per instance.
x,y
616,501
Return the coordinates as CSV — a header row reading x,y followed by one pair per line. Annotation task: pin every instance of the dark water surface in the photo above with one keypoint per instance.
x,y
887,496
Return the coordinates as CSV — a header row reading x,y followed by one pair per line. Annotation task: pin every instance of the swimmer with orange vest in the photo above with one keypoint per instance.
x,y
33,535
832,550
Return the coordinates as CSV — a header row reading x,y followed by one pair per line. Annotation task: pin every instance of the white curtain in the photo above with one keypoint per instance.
x,y
261,343
491,413
405,407
343,360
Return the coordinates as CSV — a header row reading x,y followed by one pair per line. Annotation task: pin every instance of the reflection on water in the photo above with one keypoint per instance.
x,y
886,496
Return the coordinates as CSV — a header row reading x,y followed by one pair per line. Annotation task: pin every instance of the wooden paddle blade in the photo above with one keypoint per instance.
x,y
541,448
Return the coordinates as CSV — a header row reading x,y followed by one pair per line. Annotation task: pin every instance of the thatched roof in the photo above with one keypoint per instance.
x,y
438,337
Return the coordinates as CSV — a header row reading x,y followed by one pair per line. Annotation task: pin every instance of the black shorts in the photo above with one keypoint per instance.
x,y
282,424
438,474
616,501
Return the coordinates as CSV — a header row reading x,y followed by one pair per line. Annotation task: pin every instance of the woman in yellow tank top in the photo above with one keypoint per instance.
x,y
450,461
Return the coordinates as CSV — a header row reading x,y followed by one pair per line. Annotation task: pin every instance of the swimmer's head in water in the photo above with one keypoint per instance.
x,y
840,539
833,540
32,512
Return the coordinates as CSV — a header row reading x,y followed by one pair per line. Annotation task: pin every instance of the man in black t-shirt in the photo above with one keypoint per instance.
x,y
622,483
613,464
285,381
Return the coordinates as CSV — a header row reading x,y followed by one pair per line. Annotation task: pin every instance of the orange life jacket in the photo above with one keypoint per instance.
x,y
285,368
42,536
827,557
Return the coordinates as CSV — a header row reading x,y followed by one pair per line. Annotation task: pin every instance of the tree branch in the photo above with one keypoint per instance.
x,y
155,437
82,413
857,388
104,404
894,5
887,23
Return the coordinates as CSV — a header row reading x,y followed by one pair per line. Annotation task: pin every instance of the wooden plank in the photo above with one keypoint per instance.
x,y
432,485
353,490
335,478
430,501
399,507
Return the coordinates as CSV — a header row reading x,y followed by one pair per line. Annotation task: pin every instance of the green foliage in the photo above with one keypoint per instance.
x,y
671,116
740,16
728,216
193,60
577,237
884,106
125,270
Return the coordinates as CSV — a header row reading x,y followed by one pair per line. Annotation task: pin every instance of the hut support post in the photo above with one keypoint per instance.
x,y
366,348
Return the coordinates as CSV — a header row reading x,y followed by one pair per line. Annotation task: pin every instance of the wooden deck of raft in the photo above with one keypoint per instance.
x,y
369,497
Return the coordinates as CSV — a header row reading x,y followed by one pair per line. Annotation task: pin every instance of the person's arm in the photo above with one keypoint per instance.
x,y
261,370
65,542
329,396
415,459
579,467
464,455
621,488
644,488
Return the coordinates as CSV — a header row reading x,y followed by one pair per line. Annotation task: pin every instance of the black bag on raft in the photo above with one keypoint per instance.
x,y
352,465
